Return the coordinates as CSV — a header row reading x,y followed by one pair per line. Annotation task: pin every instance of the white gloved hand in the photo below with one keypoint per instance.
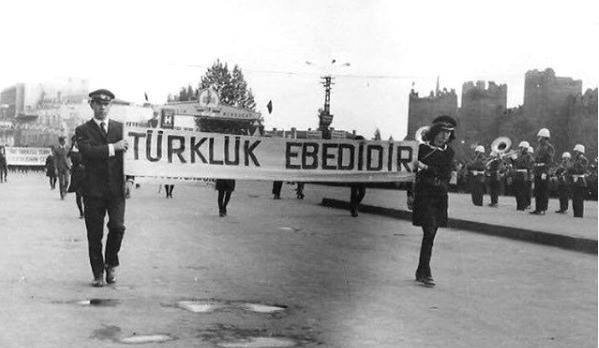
x,y
543,176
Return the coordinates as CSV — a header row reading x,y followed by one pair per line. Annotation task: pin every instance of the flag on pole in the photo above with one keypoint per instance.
x,y
146,95
269,106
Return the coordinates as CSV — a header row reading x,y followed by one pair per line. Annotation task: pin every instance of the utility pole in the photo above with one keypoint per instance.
x,y
325,118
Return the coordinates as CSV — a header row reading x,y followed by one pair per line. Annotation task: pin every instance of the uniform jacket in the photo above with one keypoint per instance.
x,y
544,154
562,169
579,167
61,161
478,164
104,176
430,188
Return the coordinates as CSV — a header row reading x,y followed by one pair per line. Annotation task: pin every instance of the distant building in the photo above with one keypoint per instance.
x,y
552,102
422,110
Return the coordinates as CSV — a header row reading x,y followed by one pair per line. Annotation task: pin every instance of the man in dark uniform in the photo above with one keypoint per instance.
x,y
531,175
62,166
563,185
476,171
492,179
522,168
579,180
357,191
101,145
543,160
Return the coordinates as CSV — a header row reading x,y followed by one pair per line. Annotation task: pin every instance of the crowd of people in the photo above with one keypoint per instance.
x,y
92,168
525,173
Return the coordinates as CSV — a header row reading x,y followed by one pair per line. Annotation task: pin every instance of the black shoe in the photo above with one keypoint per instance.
x,y
354,212
537,212
561,211
225,211
276,197
493,205
98,282
221,213
426,280
110,275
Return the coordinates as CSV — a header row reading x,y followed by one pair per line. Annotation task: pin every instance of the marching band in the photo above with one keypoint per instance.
x,y
530,173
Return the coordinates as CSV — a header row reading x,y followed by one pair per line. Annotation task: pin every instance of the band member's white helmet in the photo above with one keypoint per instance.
x,y
524,144
566,155
531,149
544,132
480,148
579,148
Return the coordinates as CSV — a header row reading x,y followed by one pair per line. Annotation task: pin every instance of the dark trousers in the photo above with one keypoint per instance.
x,y
477,189
276,188
300,190
223,199
95,210
541,193
169,190
429,231
63,183
3,173
578,193
521,187
52,182
79,201
357,194
528,194
564,196
493,187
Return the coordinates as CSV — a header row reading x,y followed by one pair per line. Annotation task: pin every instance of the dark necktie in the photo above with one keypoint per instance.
x,y
103,126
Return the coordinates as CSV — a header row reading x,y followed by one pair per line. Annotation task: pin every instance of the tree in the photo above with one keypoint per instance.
x,y
231,87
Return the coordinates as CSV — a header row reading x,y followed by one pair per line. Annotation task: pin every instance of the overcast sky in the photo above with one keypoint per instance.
x,y
158,46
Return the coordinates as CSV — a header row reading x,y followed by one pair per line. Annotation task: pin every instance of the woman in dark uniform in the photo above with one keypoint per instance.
x,y
224,187
77,176
429,195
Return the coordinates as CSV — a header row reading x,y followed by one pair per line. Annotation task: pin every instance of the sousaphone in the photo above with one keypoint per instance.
x,y
420,133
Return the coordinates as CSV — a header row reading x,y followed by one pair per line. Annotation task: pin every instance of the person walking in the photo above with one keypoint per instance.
x,y
428,197
225,188
51,171
101,145
61,163
77,176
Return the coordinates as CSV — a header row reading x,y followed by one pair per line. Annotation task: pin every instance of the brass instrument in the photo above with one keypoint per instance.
x,y
502,146
420,133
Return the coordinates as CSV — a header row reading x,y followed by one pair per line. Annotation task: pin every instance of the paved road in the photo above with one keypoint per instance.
x,y
344,282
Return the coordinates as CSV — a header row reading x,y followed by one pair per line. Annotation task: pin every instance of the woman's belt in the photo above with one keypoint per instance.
x,y
540,164
522,171
477,172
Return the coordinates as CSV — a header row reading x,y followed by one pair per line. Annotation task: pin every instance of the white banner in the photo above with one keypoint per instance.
x,y
27,156
192,156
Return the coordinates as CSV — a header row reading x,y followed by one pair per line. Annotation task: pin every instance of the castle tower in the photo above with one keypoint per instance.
x,y
422,110
480,110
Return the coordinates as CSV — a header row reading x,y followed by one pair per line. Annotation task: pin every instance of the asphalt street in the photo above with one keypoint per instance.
x,y
331,280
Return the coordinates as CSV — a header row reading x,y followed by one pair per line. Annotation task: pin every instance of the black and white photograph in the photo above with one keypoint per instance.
x,y
278,173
